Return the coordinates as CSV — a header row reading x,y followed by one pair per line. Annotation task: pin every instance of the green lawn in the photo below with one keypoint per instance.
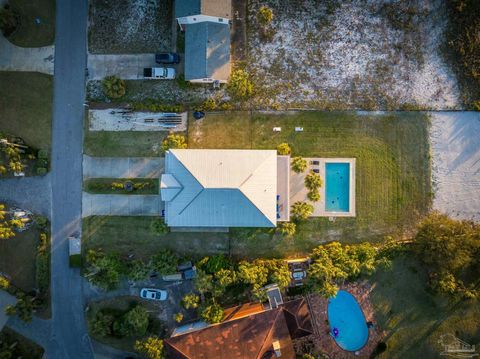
x,y
26,106
30,33
123,143
104,185
392,170
413,318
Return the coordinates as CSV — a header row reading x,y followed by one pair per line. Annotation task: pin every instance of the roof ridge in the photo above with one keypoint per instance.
x,y
269,332
175,348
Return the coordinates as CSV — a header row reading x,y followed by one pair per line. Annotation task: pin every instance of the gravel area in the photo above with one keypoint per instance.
x,y
352,54
130,26
32,193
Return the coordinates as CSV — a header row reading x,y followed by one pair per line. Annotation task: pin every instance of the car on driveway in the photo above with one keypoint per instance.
x,y
167,58
153,294
160,73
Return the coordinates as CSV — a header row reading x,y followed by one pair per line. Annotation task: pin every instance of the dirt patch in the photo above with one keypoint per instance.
x,y
352,54
130,26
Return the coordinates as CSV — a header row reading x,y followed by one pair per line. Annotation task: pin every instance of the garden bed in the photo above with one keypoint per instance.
x,y
130,186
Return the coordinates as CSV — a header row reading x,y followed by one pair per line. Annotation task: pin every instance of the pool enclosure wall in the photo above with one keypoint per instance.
x,y
350,212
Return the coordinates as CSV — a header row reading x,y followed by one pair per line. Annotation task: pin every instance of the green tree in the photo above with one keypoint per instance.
x,y
313,195
212,313
132,323
151,348
113,87
264,16
103,270
313,181
288,229
278,272
225,277
213,264
102,324
158,226
450,250
252,273
137,270
190,301
284,149
299,164
203,282
165,262
301,210
240,86
174,141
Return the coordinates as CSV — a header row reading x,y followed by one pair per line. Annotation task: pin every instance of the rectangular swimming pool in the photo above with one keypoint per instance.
x,y
337,187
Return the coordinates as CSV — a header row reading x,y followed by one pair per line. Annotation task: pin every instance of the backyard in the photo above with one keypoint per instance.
x,y
26,107
414,319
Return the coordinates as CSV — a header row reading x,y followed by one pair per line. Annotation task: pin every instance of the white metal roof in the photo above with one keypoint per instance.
x,y
229,188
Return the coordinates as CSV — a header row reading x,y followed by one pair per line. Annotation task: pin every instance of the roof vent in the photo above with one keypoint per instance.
x,y
276,348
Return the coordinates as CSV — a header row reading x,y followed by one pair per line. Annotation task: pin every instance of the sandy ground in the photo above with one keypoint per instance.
x,y
116,120
455,140
353,54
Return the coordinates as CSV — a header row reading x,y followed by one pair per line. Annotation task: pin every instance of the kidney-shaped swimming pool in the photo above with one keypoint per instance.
x,y
347,322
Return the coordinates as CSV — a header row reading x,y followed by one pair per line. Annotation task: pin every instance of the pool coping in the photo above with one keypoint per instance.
x,y
351,198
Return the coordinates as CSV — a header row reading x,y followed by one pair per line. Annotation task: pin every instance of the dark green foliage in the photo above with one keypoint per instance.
x,y
137,270
215,263
212,313
158,226
104,270
41,171
153,105
75,261
132,323
450,251
9,20
113,87
165,262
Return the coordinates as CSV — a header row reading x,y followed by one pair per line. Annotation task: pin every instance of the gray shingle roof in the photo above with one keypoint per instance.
x,y
207,51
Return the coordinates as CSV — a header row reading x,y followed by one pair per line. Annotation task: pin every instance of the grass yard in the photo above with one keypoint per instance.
x,y
104,186
392,170
123,143
26,107
413,318
30,33
24,348
132,235
18,256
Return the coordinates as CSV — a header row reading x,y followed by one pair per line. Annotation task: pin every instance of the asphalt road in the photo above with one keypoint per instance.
x,y
69,337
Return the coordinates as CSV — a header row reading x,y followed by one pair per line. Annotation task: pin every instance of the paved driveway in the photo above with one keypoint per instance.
x,y
15,58
121,205
130,167
128,67
455,144
32,193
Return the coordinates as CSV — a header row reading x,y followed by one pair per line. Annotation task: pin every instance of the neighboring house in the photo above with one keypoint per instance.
x,y
221,188
207,39
248,331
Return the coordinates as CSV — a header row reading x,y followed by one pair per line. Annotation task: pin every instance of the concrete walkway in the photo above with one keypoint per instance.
x,y
121,205
15,58
455,145
128,167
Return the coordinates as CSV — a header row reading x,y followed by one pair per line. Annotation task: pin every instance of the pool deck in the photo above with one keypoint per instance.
x,y
324,342
298,192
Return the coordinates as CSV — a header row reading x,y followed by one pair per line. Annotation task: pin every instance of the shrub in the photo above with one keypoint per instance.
x,y
313,195
41,221
212,313
113,87
151,348
178,317
209,104
476,105
42,273
41,171
104,270
313,181
174,141
240,86
284,149
190,301
287,228
301,210
165,262
138,270
42,154
8,20
264,16
133,323
158,226
102,324
299,164
4,282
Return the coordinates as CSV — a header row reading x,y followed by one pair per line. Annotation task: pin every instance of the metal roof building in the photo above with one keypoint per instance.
x,y
220,188
218,8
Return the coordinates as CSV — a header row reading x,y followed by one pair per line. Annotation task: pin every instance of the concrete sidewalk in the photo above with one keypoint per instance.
x,y
35,59
121,205
128,167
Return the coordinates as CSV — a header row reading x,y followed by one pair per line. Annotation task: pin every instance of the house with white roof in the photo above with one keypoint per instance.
x,y
224,188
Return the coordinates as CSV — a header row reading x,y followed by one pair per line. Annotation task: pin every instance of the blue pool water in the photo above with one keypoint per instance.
x,y
337,187
346,316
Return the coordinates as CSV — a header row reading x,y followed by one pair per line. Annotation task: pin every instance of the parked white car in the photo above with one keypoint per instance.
x,y
153,294
161,73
